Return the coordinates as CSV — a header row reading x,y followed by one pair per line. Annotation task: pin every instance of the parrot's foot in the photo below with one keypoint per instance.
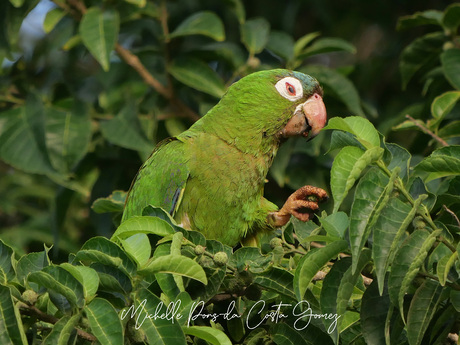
x,y
301,204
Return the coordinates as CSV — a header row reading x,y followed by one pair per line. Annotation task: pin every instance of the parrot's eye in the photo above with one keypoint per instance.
x,y
290,88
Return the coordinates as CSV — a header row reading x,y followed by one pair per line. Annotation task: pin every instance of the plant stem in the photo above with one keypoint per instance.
x,y
427,131
35,312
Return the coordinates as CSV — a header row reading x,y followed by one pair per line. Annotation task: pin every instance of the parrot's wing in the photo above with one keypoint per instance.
x,y
160,181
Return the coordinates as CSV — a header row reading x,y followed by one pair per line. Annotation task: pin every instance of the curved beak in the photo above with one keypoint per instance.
x,y
308,119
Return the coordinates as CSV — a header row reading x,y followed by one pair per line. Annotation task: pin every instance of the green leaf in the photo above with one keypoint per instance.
x,y
281,44
444,266
158,330
371,195
327,45
443,104
388,230
441,163
406,264
139,3
335,224
202,23
450,130
6,261
211,335
125,130
430,17
62,330
175,264
340,85
22,138
32,262
278,280
60,283
347,168
237,7
451,18
450,61
286,335
138,247
420,54
17,3
254,34
422,309
68,134
115,202
361,128
52,18
104,322
312,263
111,279
374,310
197,75
350,279
10,323
142,225
328,297
400,158
100,249
303,41
250,257
87,276
99,32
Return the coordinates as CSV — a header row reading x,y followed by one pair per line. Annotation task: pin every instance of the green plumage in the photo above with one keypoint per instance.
x,y
211,177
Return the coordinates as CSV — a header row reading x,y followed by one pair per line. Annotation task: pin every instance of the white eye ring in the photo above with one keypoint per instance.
x,y
290,88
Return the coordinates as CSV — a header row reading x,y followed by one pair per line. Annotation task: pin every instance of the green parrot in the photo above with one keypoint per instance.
x,y
211,177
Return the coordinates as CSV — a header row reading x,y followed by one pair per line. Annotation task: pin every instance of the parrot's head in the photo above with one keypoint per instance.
x,y
264,108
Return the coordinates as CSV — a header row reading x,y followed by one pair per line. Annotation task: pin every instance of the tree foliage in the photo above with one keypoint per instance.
x,y
108,79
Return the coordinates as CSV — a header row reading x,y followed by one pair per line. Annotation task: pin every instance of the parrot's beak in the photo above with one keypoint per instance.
x,y
308,119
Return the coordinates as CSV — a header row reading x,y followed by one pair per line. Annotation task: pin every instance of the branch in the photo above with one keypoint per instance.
x,y
133,61
33,311
452,214
427,131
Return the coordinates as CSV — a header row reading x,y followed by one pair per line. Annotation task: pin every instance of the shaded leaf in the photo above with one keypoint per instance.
x,y
442,162
451,18
52,18
278,280
142,225
282,44
104,322
335,224
211,335
22,138
312,263
197,75
115,202
125,130
68,134
254,34
420,18
158,330
201,23
327,45
87,276
60,283
175,264
10,322
62,330
422,309
100,249
406,264
374,310
388,230
450,61
99,32
419,54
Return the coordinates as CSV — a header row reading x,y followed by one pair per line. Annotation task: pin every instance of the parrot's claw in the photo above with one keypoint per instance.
x,y
297,205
